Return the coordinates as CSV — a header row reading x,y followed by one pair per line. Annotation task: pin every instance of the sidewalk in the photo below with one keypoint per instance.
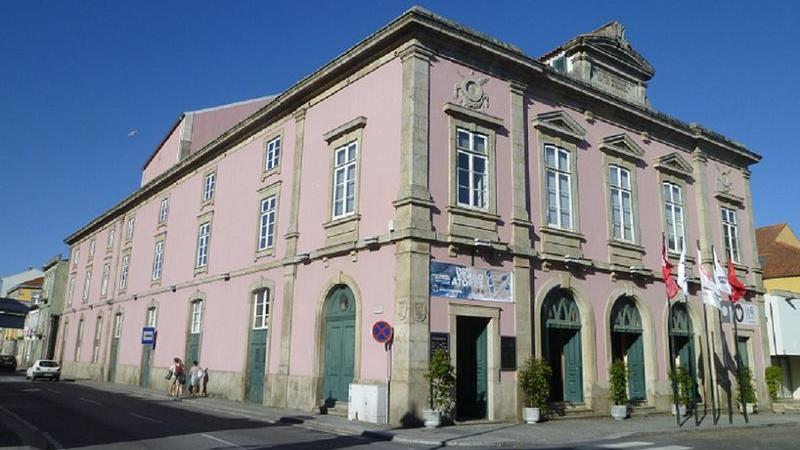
x,y
469,435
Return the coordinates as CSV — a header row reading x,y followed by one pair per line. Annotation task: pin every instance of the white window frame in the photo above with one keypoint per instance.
x,y
104,278
209,186
345,175
674,220
619,193
71,289
151,317
203,239
98,334
87,284
559,174
163,210
730,233
110,241
477,183
123,272
272,154
197,317
78,340
91,249
130,226
117,325
266,223
76,255
158,260
261,319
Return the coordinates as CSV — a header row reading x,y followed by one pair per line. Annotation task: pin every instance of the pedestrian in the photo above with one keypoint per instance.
x,y
177,369
194,379
205,381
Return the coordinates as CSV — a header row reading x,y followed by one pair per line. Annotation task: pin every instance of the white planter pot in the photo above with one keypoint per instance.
x,y
620,412
751,408
682,410
432,418
531,415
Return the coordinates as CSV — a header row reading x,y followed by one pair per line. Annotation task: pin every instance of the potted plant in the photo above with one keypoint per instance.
x,y
774,377
618,387
534,380
441,379
745,391
685,390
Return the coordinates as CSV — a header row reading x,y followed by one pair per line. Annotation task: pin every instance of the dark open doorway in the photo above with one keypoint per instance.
x,y
471,368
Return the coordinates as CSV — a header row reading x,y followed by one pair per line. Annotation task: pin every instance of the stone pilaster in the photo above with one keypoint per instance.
x,y
409,388
755,266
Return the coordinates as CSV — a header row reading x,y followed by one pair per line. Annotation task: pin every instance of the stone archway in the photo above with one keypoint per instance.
x,y
627,344
562,346
339,338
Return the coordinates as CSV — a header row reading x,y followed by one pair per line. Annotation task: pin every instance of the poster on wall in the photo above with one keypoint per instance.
x,y
746,313
469,283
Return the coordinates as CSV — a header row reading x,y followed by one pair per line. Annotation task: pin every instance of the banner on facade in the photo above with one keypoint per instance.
x,y
746,313
469,283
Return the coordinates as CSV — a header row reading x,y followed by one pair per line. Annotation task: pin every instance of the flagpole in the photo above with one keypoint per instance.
x,y
738,364
712,367
672,364
730,394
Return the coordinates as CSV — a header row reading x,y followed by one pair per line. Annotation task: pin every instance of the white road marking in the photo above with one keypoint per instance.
x,y
222,441
31,390
146,418
52,440
625,444
54,391
90,401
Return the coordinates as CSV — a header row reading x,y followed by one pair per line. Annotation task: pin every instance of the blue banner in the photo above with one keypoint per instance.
x,y
469,283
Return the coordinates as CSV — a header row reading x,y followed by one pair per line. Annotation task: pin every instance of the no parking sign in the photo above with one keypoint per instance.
x,y
382,332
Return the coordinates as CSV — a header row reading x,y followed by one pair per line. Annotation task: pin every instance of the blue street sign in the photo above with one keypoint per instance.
x,y
148,335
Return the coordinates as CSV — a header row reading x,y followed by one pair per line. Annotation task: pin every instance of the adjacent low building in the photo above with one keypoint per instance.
x,y
15,341
476,199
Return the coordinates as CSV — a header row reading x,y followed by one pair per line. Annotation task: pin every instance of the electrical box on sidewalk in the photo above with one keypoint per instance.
x,y
368,403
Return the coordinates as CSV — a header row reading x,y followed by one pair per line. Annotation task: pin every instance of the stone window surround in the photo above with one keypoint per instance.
x,y
105,278
344,229
730,203
264,193
78,339
469,223
160,237
207,202
97,339
111,237
266,173
198,298
92,248
87,286
122,256
207,217
667,176
130,226
116,331
162,223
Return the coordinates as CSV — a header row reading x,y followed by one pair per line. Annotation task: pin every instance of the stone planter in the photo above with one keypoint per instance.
x,y
681,409
432,418
620,412
531,415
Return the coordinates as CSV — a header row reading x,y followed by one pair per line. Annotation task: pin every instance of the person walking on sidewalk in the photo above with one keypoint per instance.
x,y
205,381
176,389
194,379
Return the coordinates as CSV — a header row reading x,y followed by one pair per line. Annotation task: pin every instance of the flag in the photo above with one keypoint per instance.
x,y
666,272
682,282
721,279
707,285
737,287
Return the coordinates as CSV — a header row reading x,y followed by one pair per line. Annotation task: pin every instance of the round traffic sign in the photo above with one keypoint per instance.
x,y
382,332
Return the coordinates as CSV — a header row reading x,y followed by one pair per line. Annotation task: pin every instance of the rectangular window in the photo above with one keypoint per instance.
x,y
150,319
158,258
730,233
673,216
472,177
208,186
117,326
344,180
163,210
197,316
621,203
273,154
104,279
78,340
110,242
202,245
266,224
123,272
91,249
87,283
71,290
558,183
76,254
98,332
131,222
261,310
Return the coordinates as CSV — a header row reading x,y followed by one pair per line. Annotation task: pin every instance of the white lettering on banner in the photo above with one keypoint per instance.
x,y
469,283
746,313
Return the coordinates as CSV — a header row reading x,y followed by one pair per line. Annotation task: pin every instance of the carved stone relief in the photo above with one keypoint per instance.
x,y
469,91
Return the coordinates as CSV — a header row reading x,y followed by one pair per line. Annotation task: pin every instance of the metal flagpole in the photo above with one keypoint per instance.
x,y
730,394
709,349
672,365
738,365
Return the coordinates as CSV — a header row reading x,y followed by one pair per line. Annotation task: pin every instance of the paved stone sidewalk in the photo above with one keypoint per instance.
x,y
550,433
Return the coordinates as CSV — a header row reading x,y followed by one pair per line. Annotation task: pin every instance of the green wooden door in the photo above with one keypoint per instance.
x,y
192,352
112,367
481,378
743,354
256,366
636,383
144,373
340,314
573,368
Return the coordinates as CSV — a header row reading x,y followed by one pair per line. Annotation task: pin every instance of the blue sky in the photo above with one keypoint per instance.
x,y
76,77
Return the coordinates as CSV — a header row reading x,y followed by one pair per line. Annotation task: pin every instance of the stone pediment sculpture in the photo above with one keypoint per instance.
x,y
621,145
674,164
559,123
469,91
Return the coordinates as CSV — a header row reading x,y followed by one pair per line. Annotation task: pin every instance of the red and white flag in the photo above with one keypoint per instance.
x,y
666,272
707,285
721,279
738,288
682,281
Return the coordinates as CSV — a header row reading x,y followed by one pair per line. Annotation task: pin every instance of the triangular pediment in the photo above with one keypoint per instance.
x,y
559,123
674,164
621,145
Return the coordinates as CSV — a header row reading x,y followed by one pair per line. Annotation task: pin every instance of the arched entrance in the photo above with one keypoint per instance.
x,y
561,345
684,342
627,344
340,336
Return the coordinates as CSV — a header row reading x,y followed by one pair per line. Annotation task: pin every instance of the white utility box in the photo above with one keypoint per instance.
x,y
368,403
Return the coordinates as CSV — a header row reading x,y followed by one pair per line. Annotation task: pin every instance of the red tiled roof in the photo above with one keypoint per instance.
x,y
780,260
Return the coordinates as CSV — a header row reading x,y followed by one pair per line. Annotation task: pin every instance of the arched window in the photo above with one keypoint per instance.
x,y
261,309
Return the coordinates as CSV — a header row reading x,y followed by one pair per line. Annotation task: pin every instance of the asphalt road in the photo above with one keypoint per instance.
x,y
48,414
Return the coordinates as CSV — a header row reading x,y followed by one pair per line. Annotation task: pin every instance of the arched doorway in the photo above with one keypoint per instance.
x,y
627,344
682,332
257,346
561,345
340,336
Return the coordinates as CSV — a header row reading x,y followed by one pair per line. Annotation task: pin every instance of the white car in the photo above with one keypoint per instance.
x,y
44,368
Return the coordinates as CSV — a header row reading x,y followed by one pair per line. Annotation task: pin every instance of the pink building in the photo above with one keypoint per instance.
x,y
477,199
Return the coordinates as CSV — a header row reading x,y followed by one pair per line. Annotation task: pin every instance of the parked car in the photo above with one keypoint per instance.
x,y
44,368
8,362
